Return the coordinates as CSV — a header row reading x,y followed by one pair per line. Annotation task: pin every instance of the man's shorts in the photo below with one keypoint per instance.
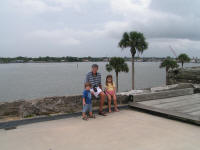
x,y
87,108
96,94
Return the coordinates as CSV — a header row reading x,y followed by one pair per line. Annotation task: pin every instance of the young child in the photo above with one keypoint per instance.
x,y
111,92
87,102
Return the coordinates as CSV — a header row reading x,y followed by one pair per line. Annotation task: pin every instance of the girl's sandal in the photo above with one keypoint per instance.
x,y
116,110
85,118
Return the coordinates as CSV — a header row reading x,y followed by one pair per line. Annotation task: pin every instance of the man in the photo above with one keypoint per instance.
x,y
94,78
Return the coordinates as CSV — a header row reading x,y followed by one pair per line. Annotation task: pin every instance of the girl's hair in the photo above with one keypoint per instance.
x,y
109,76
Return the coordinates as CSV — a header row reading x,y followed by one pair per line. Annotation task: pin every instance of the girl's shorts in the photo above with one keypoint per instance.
x,y
110,93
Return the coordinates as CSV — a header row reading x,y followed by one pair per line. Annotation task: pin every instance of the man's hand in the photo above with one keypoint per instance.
x,y
100,86
92,93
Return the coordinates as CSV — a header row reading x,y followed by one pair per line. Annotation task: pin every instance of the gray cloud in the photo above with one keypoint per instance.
x,y
94,27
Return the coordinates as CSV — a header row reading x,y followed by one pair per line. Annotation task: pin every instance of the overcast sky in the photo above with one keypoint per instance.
x,y
94,27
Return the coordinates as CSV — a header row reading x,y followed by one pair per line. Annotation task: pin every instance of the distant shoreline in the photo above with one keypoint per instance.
x,y
66,62
74,62
47,59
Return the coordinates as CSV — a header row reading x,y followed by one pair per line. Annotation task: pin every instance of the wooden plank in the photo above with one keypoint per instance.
x,y
196,113
178,104
188,108
180,99
160,101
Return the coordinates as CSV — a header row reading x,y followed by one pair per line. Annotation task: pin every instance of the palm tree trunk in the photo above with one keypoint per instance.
x,y
133,73
166,76
116,81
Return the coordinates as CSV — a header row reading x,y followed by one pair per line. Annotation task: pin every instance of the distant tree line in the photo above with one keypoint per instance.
x,y
21,59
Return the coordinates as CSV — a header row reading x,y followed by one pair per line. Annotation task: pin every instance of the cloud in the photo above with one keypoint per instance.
x,y
34,6
68,36
43,6
67,24
156,23
56,37
162,47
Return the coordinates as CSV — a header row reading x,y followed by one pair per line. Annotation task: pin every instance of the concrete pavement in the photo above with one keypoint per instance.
x,y
127,130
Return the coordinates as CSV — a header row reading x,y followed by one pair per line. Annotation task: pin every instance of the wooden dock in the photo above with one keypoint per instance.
x,y
185,108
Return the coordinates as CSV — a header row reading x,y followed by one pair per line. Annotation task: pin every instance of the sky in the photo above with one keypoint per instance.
x,y
94,27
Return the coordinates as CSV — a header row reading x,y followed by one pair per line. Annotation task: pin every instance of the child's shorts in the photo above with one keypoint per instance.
x,y
87,108
110,93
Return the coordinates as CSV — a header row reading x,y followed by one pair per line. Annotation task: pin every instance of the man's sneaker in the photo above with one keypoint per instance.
x,y
93,116
102,113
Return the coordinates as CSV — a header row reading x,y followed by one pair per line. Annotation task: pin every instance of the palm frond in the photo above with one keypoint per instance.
x,y
135,40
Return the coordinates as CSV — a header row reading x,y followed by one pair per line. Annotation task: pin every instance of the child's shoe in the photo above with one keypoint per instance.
x,y
85,118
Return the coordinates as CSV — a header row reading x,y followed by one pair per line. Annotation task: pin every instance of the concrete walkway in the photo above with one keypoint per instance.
x,y
126,130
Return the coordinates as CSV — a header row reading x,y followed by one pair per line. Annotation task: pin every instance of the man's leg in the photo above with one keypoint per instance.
x,y
102,98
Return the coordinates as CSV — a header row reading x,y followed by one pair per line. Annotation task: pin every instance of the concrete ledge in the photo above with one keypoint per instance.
x,y
162,94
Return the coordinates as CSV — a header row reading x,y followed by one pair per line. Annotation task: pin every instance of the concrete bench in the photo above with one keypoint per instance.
x,y
161,94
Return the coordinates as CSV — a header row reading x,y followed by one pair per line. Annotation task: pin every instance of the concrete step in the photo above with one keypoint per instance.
x,y
161,94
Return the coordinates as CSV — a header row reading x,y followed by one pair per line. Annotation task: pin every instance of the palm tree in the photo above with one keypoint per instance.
x,y
168,64
183,58
137,43
117,64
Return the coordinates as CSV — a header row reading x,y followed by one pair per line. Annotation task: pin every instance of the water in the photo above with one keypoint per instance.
x,y
35,80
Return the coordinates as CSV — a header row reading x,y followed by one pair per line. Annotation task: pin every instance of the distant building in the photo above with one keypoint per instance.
x,y
85,60
106,59
30,61
19,61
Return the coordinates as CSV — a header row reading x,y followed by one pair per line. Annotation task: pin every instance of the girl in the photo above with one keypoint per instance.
x,y
111,92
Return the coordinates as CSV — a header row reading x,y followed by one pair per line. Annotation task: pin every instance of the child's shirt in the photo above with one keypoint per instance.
x,y
88,97
110,87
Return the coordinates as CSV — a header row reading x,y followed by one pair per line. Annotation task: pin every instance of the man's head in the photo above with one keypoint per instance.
x,y
87,86
95,68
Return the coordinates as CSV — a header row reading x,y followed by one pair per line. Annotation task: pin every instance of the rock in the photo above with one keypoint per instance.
x,y
196,88
184,75
10,108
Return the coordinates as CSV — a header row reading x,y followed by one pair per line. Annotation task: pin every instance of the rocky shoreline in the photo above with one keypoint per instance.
x,y
184,75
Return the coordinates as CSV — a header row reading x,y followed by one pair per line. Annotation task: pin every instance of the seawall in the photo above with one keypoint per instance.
x,y
184,75
48,106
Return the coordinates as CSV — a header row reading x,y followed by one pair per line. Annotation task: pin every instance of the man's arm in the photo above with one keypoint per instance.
x,y
100,85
